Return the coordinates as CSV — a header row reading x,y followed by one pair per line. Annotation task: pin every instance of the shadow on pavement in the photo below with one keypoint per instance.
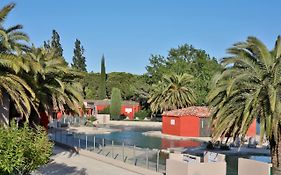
x,y
59,169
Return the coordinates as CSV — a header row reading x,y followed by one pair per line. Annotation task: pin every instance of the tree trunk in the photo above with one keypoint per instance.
x,y
275,150
5,110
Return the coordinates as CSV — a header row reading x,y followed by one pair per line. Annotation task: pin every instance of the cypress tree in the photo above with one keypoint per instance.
x,y
102,87
55,43
115,103
79,61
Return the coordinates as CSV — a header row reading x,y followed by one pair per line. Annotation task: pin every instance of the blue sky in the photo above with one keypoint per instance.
x,y
127,32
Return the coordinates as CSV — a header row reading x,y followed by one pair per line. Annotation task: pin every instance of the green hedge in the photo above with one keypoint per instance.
x,y
142,114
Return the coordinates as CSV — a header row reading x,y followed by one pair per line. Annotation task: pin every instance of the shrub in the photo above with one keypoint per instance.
x,y
92,118
106,110
90,121
115,104
122,117
23,150
142,114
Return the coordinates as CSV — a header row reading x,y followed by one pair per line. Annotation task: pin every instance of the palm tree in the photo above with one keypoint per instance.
x,y
173,92
249,88
52,81
12,39
13,89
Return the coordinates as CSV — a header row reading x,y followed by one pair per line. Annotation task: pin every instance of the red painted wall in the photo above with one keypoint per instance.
x,y
184,126
131,115
179,143
59,115
101,107
252,129
167,128
190,126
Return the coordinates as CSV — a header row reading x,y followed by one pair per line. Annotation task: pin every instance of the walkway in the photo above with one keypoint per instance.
x,y
66,163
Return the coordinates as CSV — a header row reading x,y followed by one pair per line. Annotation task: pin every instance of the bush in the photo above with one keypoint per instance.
x,y
106,110
90,121
142,114
122,117
92,118
23,150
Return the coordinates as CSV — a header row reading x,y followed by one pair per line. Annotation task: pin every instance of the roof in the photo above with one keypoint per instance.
x,y
107,102
199,111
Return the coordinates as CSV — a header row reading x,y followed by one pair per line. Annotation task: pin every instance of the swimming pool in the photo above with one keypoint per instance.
x,y
133,136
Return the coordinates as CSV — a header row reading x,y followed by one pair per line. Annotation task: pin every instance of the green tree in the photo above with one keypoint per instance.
x,y
185,59
102,86
91,85
79,60
14,91
115,103
55,44
173,92
249,88
123,81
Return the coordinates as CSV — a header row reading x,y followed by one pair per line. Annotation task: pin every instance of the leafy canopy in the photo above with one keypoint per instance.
x,y
185,59
173,92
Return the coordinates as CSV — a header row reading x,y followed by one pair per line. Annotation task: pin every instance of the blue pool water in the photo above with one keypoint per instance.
x,y
133,136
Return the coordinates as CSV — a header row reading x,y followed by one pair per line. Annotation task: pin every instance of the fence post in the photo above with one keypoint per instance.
x,y
134,154
61,136
112,144
79,141
54,134
73,143
86,142
146,158
66,138
123,145
94,142
157,161
103,142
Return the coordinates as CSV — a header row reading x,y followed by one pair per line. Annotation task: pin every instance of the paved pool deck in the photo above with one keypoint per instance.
x,y
100,129
136,123
161,135
91,130
68,163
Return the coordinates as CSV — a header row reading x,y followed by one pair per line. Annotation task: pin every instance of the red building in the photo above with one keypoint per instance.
x,y
191,122
128,108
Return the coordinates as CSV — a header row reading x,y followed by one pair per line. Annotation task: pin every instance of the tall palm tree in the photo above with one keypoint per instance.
x,y
249,88
173,92
52,81
13,89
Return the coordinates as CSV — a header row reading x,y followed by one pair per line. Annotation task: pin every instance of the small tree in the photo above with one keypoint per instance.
x,y
23,150
115,104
